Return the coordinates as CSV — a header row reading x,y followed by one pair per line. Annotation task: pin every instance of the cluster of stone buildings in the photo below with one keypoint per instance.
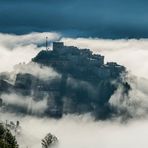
x,y
84,59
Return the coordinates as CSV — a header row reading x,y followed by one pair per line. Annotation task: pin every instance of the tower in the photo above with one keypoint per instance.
x,y
46,43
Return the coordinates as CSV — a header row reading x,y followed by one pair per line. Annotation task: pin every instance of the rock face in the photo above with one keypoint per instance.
x,y
85,84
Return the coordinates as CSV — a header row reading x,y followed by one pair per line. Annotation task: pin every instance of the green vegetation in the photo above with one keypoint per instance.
x,y
49,141
7,140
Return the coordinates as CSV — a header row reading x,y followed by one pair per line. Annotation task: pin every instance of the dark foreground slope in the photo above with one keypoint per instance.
x,y
85,83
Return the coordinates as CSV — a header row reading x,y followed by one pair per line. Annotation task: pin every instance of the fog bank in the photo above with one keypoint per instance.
x,y
82,131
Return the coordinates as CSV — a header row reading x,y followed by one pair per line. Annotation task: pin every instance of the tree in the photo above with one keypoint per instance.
x,y
49,141
7,140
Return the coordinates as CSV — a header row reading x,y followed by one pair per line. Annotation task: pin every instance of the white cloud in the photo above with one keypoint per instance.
x,y
11,41
81,132
16,49
41,72
28,103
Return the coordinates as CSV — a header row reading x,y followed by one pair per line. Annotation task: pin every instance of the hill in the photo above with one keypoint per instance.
x,y
84,85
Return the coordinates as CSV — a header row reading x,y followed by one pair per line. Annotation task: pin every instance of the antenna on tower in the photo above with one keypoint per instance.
x,y
46,43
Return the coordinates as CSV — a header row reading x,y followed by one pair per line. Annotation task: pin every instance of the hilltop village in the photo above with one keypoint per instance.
x,y
85,85
78,63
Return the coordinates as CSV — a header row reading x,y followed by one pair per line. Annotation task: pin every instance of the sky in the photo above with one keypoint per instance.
x,y
112,19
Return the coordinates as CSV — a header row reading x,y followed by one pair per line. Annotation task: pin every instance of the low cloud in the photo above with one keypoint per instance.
x,y
81,131
135,104
39,71
21,48
28,104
